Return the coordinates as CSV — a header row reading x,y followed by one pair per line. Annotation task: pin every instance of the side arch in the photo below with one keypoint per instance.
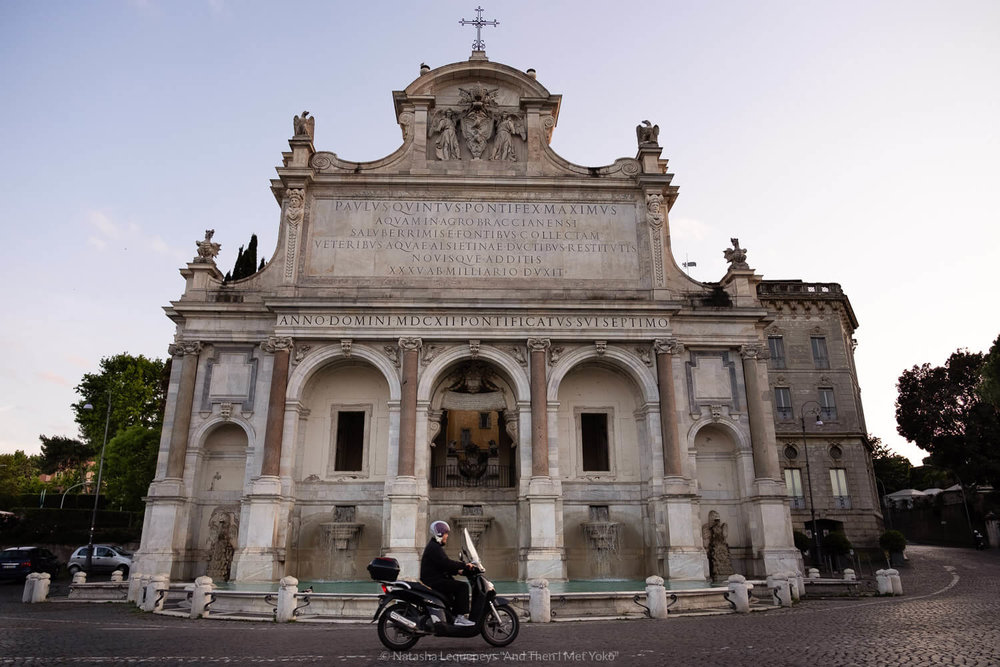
x,y
315,361
639,372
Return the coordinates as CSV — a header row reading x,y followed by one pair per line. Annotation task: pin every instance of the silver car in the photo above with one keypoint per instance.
x,y
106,559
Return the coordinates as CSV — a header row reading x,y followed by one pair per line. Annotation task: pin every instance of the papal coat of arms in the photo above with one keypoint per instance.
x,y
478,117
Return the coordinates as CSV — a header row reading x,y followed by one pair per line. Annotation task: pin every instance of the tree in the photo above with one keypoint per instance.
x,y
892,469
989,385
940,410
246,261
19,474
64,455
129,466
134,387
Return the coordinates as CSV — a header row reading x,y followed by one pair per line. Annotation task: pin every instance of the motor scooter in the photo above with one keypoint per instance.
x,y
409,610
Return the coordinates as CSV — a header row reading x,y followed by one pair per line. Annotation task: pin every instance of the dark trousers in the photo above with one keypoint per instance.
x,y
456,593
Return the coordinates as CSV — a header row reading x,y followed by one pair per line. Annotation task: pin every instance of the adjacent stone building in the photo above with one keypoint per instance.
x,y
474,329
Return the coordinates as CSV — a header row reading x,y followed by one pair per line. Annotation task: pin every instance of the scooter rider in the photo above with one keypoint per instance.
x,y
436,571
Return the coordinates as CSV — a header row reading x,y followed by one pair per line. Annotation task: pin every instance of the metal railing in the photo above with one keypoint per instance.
x,y
494,476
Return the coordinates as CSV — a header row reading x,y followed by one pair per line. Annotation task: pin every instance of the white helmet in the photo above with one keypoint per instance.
x,y
439,528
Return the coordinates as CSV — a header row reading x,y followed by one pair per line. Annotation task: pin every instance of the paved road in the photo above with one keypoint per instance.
x,y
950,615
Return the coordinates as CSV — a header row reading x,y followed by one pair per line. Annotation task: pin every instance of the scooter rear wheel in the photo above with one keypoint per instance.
x,y
503,632
393,635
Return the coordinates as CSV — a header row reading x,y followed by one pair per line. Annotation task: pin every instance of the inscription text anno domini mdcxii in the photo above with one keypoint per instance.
x,y
473,239
622,322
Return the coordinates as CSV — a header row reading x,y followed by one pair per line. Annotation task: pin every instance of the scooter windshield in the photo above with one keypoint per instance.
x,y
471,548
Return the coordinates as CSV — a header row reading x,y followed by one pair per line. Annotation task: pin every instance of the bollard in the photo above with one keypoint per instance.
x,y
41,590
134,589
883,583
539,601
779,582
157,583
793,585
739,593
849,575
80,577
894,581
289,586
656,597
203,587
813,573
117,576
140,598
29,587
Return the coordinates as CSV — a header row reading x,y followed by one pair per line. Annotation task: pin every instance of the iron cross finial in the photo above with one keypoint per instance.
x,y
479,44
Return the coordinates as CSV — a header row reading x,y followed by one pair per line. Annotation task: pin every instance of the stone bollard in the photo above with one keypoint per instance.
x,y
793,585
849,575
800,581
779,582
656,597
883,583
203,588
895,582
134,589
288,587
157,583
29,587
41,590
117,576
539,601
813,573
739,593
80,577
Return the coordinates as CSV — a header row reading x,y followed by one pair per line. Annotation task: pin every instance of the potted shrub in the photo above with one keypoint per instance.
x,y
893,543
802,541
837,547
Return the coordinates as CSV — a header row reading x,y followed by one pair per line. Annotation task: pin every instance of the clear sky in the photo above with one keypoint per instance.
x,y
852,142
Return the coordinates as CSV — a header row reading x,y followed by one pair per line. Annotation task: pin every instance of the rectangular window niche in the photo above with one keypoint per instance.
x,y
350,427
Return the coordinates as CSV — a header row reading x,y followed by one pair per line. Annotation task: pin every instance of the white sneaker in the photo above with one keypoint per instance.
x,y
462,619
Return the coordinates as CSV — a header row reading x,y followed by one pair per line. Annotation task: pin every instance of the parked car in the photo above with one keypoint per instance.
x,y
18,562
106,559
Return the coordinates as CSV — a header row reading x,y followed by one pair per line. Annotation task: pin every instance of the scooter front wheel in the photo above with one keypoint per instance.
x,y
500,625
394,634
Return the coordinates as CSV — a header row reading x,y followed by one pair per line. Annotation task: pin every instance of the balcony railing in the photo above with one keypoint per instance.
x,y
492,477
797,502
842,502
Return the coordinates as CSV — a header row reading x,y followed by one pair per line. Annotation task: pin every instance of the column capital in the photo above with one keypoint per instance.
x,y
539,344
668,346
275,343
755,351
183,347
406,344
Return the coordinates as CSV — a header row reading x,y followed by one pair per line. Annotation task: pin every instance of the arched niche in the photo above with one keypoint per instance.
x,y
718,449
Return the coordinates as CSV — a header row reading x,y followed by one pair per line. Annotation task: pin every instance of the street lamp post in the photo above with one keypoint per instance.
x,y
97,489
805,452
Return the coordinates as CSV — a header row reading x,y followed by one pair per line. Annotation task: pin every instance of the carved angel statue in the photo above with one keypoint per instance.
x,y
446,147
207,251
503,147
736,256
304,126
647,133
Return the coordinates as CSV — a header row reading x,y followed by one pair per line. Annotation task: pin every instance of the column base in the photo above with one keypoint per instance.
x,y
541,563
684,564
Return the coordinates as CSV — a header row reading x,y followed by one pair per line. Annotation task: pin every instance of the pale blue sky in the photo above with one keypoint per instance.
x,y
852,142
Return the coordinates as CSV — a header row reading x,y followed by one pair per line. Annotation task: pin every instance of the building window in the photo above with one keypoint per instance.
x,y
776,346
484,420
594,441
838,482
793,484
828,404
783,403
820,357
350,441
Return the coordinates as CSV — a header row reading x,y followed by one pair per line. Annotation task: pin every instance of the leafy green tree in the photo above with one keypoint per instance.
x,y
129,466
989,385
892,469
19,474
246,261
133,388
940,410
66,455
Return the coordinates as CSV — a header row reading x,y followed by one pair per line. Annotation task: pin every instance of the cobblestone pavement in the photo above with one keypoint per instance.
x,y
950,615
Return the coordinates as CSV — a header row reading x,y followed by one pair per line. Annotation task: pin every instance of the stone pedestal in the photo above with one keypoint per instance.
x,y
256,558
402,512
544,557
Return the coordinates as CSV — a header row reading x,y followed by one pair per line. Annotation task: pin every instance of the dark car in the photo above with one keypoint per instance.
x,y
18,562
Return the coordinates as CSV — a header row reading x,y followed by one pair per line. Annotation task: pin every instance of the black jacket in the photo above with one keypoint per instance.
x,y
435,566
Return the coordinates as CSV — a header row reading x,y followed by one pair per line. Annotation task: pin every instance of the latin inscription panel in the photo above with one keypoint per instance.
x,y
492,240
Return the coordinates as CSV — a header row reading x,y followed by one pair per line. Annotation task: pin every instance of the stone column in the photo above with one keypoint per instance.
x,y
672,460
187,353
281,349
765,454
410,348
539,407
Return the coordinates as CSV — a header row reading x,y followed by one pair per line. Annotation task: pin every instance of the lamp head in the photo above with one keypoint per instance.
x,y
88,406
